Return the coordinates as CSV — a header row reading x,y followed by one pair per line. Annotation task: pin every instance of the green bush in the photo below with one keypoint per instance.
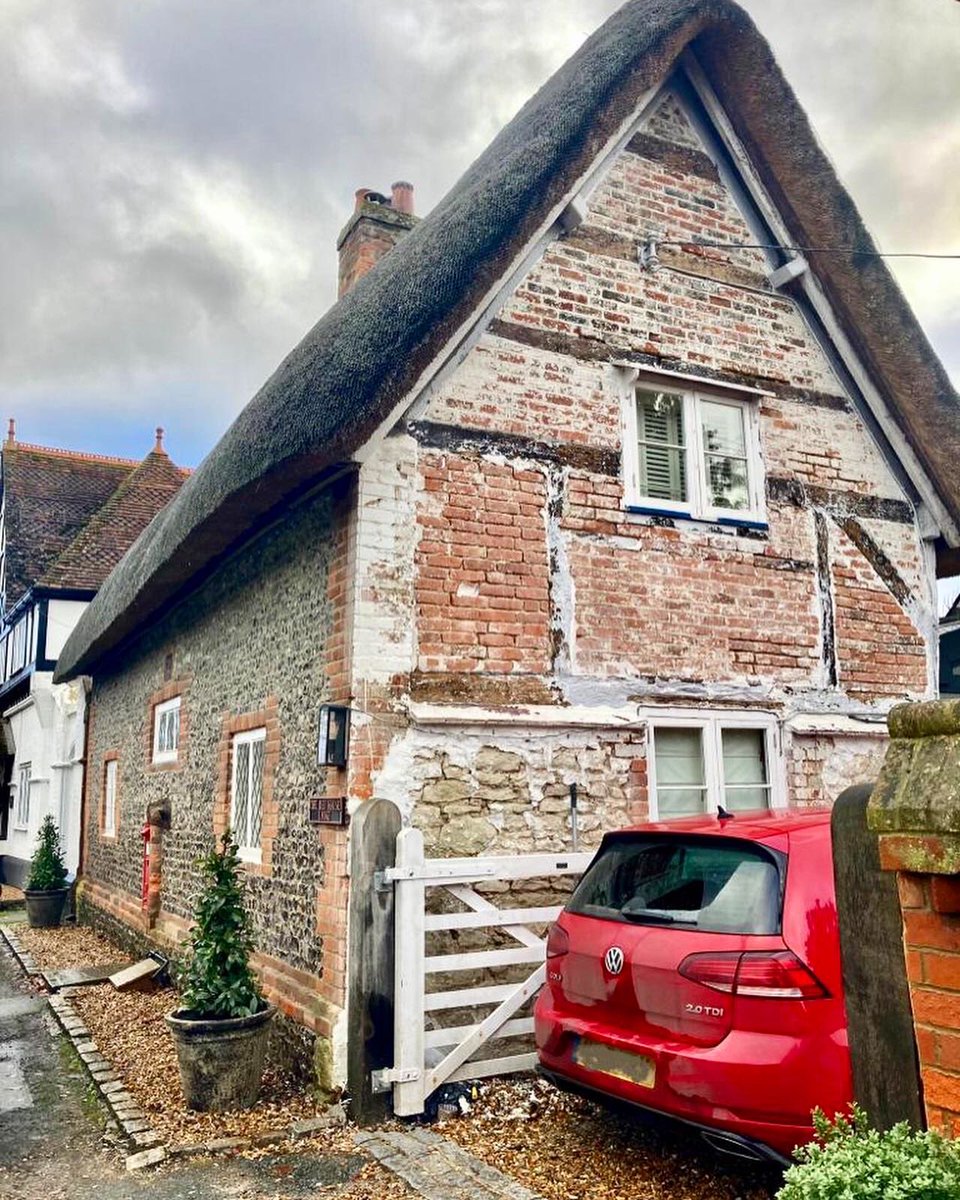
x,y
47,869
217,980
851,1161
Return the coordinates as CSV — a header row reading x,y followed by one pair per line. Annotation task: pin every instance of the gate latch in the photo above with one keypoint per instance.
x,y
383,1081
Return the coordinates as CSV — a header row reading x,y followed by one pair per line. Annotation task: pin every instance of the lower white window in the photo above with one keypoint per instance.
x,y
700,765
110,798
166,731
21,813
246,792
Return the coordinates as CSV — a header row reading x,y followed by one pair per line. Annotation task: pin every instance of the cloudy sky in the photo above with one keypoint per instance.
x,y
173,175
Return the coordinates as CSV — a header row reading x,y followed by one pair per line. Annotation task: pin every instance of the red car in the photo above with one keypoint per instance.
x,y
695,972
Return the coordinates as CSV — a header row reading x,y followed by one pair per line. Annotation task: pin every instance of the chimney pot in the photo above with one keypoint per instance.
x,y
375,226
12,431
402,199
158,448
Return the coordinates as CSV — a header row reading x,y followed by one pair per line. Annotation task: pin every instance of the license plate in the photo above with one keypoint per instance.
x,y
634,1068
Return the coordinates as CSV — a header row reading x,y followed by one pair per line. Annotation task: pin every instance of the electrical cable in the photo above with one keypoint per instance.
x,y
802,249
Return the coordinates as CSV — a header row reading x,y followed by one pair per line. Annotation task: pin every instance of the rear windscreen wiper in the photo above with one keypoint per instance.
x,y
649,915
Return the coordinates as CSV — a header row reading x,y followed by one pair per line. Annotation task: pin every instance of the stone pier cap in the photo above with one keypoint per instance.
x,y
915,805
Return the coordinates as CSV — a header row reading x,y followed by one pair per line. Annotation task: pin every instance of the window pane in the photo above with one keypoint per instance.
x,y
679,756
745,763
723,431
660,435
241,787
681,802
743,799
681,783
729,887
174,736
727,482
256,790
110,803
744,756
725,450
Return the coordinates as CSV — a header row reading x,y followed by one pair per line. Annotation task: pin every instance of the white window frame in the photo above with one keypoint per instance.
x,y
245,851
110,772
630,381
21,812
160,711
711,726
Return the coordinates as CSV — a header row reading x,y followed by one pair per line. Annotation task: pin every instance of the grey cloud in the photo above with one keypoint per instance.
x,y
174,175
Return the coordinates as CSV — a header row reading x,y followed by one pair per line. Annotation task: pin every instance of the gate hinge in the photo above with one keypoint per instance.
x,y
383,1081
380,882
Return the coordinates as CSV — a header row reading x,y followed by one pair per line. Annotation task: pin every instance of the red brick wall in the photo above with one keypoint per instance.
x,y
482,567
931,923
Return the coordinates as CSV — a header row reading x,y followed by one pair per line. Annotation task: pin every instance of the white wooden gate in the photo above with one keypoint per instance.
x,y
411,1078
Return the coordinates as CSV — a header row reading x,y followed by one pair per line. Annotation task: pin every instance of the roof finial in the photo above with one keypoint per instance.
x,y
12,432
158,448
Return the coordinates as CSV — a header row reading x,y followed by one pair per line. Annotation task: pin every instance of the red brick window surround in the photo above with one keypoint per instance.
x,y
110,797
174,689
249,753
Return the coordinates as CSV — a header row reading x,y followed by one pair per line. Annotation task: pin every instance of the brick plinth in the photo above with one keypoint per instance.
x,y
932,948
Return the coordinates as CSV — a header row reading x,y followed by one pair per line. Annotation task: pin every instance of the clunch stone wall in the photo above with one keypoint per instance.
x,y
264,635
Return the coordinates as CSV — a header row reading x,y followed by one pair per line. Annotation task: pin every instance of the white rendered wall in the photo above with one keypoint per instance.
x,y
47,729
62,617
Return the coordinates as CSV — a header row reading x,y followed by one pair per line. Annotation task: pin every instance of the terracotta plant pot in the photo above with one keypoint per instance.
x,y
221,1061
44,909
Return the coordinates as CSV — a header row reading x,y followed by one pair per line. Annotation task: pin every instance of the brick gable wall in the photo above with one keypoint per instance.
x,y
529,571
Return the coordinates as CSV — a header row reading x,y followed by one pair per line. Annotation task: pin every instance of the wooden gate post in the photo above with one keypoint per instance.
x,y
408,1095
373,839
886,1076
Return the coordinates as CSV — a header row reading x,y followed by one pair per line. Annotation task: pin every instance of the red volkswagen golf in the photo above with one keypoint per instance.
x,y
695,972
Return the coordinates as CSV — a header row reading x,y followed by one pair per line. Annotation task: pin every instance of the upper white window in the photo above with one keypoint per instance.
x,y
166,731
693,454
21,815
696,765
246,792
110,798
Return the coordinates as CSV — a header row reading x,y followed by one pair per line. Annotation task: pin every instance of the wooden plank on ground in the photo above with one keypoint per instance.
x,y
137,975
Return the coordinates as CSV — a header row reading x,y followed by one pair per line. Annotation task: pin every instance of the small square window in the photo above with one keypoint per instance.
x,y
699,766
692,454
166,731
110,798
246,792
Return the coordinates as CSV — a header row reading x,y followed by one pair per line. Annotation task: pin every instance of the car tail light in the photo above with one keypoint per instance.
x,y
775,974
558,943
717,971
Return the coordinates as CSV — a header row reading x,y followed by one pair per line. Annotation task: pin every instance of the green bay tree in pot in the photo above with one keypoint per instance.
x,y
222,1026
46,890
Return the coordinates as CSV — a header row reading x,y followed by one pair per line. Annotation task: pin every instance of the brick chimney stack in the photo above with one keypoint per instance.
x,y
377,223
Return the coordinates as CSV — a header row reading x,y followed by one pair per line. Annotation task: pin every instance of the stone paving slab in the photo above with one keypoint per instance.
x,y
437,1168
80,976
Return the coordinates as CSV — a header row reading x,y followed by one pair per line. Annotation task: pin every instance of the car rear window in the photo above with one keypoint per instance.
x,y
711,885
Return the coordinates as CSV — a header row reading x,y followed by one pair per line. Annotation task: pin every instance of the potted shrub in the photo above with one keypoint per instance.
x,y
851,1161
46,890
222,1025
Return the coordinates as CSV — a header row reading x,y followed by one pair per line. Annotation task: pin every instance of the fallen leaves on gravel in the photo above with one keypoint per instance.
x,y
566,1148
130,1030
67,946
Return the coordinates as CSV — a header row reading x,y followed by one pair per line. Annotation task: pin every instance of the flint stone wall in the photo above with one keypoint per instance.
x,y
257,628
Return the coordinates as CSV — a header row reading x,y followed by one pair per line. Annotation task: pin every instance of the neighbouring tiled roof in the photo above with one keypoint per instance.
x,y
365,355
113,529
49,496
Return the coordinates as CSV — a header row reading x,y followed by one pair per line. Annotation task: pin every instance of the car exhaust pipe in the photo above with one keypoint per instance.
x,y
726,1143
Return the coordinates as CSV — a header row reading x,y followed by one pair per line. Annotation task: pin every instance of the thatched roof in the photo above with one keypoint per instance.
x,y
364,355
